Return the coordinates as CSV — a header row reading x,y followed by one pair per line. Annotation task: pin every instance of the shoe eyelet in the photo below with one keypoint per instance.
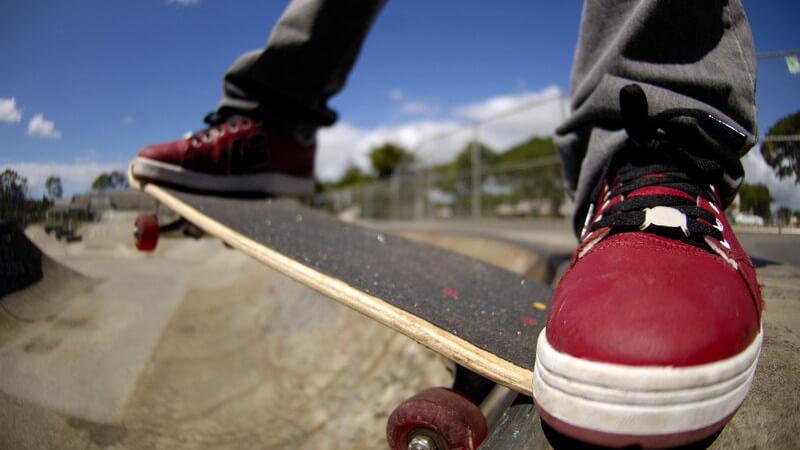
x,y
725,244
196,143
245,124
587,220
719,226
234,127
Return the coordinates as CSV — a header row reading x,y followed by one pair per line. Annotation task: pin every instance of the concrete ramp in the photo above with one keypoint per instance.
x,y
20,260
195,346
35,287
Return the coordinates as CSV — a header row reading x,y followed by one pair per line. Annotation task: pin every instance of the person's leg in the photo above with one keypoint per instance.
x,y
261,138
684,54
308,56
654,331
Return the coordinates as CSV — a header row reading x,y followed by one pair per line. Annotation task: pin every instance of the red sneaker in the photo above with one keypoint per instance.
x,y
655,329
237,155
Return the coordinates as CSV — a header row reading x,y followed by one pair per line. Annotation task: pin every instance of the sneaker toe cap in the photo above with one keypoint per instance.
x,y
652,305
169,153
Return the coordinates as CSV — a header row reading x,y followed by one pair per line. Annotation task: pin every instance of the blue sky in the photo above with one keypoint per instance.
x,y
92,81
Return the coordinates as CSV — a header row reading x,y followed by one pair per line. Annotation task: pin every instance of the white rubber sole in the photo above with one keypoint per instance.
x,y
267,183
640,401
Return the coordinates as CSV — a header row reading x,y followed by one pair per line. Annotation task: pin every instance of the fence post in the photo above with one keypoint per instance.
x,y
476,173
419,193
366,201
394,194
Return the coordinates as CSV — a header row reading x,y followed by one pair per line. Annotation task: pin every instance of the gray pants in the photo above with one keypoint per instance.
x,y
684,54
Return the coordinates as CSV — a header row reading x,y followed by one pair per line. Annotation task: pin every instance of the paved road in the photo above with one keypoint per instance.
x,y
772,248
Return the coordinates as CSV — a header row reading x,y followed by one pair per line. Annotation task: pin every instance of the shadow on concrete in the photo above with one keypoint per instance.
x,y
761,262
20,259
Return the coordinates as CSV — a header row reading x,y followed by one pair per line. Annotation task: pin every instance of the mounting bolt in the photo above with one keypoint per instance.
x,y
422,442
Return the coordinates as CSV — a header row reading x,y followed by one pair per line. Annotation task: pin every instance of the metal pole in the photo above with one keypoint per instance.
x,y
394,187
366,201
780,138
476,173
777,54
419,193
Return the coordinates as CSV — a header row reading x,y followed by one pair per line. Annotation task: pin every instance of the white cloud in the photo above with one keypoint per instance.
x,y
397,95
412,106
40,127
9,111
76,176
345,143
183,2
785,191
537,113
419,107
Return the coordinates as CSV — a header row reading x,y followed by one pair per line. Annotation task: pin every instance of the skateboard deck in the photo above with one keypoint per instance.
x,y
475,314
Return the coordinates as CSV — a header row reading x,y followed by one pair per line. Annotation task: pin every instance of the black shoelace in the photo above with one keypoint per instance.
x,y
214,120
653,160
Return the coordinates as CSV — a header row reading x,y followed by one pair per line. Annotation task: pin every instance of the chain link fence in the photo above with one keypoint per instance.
x,y
525,188
524,179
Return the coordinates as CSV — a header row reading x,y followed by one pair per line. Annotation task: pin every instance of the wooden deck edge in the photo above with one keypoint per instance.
x,y
447,344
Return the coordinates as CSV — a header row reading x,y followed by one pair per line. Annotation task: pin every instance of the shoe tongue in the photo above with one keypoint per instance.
x,y
235,117
659,190
226,115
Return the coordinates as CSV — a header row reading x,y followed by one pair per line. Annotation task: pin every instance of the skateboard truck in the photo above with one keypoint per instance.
x,y
423,439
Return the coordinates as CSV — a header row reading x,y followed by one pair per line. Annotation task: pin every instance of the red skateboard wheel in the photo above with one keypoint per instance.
x,y
442,417
146,232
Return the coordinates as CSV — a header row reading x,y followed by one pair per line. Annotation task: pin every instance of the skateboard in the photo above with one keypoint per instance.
x,y
481,317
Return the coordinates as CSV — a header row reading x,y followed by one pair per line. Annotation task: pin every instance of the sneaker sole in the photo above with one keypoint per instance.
x,y
266,183
651,406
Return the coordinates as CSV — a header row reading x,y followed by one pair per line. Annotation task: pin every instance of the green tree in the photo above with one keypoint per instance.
x,y
756,199
13,192
13,185
784,156
388,157
112,180
534,181
455,177
784,214
353,175
53,186
534,148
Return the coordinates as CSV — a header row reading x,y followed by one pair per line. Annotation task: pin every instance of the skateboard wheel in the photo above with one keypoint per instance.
x,y
146,232
436,418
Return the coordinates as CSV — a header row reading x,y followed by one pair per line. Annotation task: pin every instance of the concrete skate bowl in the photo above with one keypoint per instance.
x,y
198,346
515,256
35,287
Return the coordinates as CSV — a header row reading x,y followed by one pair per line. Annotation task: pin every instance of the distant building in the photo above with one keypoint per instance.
x,y
748,219
92,205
